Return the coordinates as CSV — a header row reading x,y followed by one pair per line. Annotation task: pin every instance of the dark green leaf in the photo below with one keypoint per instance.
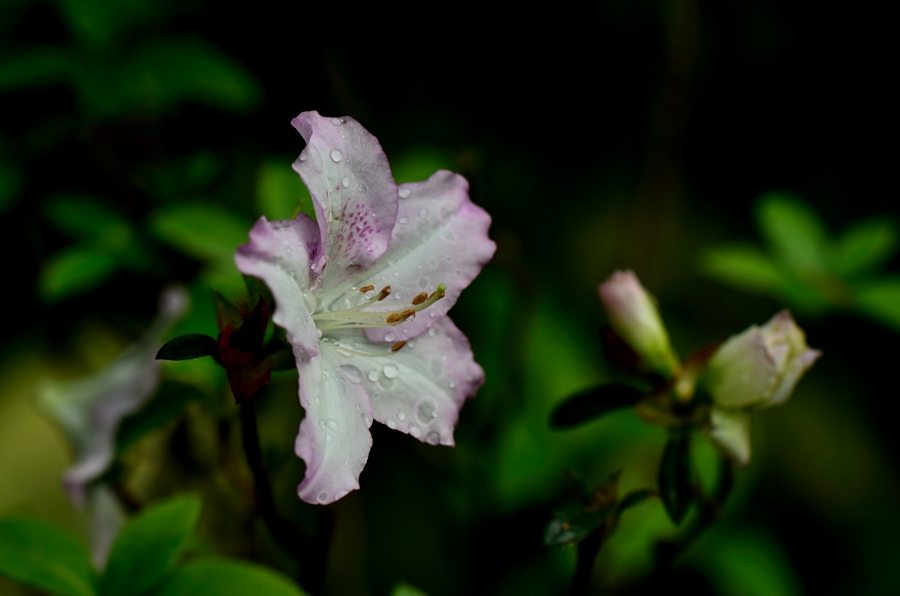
x,y
11,182
635,498
89,218
865,246
148,547
280,194
744,267
166,73
675,475
99,22
40,66
593,403
75,270
202,230
794,231
881,300
572,524
39,555
188,347
224,577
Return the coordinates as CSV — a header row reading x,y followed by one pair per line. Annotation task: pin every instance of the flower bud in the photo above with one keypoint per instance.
x,y
760,366
635,319
730,430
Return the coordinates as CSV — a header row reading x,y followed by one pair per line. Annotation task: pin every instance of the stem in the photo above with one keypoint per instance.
x,y
310,552
588,549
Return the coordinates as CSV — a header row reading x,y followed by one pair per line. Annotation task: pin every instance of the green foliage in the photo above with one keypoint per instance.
x,y
75,270
188,347
89,218
202,230
807,268
11,182
226,578
592,403
35,67
45,558
676,475
280,194
169,402
148,547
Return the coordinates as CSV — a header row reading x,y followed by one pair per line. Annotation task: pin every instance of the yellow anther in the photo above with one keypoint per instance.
x,y
397,346
420,298
384,293
367,288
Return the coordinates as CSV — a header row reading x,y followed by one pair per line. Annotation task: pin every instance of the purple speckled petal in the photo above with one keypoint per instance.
x,y
441,237
334,438
353,192
420,388
280,253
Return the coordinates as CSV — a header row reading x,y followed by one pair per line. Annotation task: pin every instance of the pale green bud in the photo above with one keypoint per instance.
x,y
635,319
730,430
760,366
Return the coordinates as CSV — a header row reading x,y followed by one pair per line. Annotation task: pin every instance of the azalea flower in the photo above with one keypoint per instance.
x,y
363,293
90,409
757,368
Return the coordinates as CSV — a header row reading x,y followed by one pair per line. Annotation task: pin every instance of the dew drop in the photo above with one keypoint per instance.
x,y
449,235
332,424
425,411
345,182
337,121
322,497
303,155
372,376
391,425
390,371
336,155
319,333
415,431
423,212
368,420
390,337
401,416
404,220
353,374
404,192
433,438
452,385
432,331
423,282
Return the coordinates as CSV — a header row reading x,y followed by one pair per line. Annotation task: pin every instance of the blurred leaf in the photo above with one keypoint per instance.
x,y
794,231
404,589
75,270
881,300
89,218
593,403
742,266
29,68
202,230
747,563
164,73
675,475
167,405
280,194
635,498
45,558
99,22
865,246
148,546
224,577
420,164
572,524
11,183
188,347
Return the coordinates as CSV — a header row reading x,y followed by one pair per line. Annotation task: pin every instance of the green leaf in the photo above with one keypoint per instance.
x,y
864,247
405,589
635,498
226,577
593,403
165,73
39,555
100,22
89,218
881,300
188,347
202,230
742,266
11,183
572,524
675,475
148,547
794,231
30,68
280,194
75,270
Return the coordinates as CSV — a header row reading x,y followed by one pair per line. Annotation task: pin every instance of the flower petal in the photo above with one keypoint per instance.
x,y
280,253
353,192
743,373
730,430
334,438
441,237
420,388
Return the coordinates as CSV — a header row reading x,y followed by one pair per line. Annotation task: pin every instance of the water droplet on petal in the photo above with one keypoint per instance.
x,y
318,333
432,331
401,416
322,497
415,431
372,376
336,155
353,374
433,438
332,424
425,411
391,425
449,235
345,182
390,336
303,155
423,212
403,220
390,371
368,420
404,192
337,121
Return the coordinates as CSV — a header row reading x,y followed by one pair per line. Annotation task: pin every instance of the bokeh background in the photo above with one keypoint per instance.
x,y
141,139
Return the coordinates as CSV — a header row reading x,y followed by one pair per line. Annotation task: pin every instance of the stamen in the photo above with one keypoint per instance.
x,y
420,298
367,288
384,293
397,346
358,317
398,317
